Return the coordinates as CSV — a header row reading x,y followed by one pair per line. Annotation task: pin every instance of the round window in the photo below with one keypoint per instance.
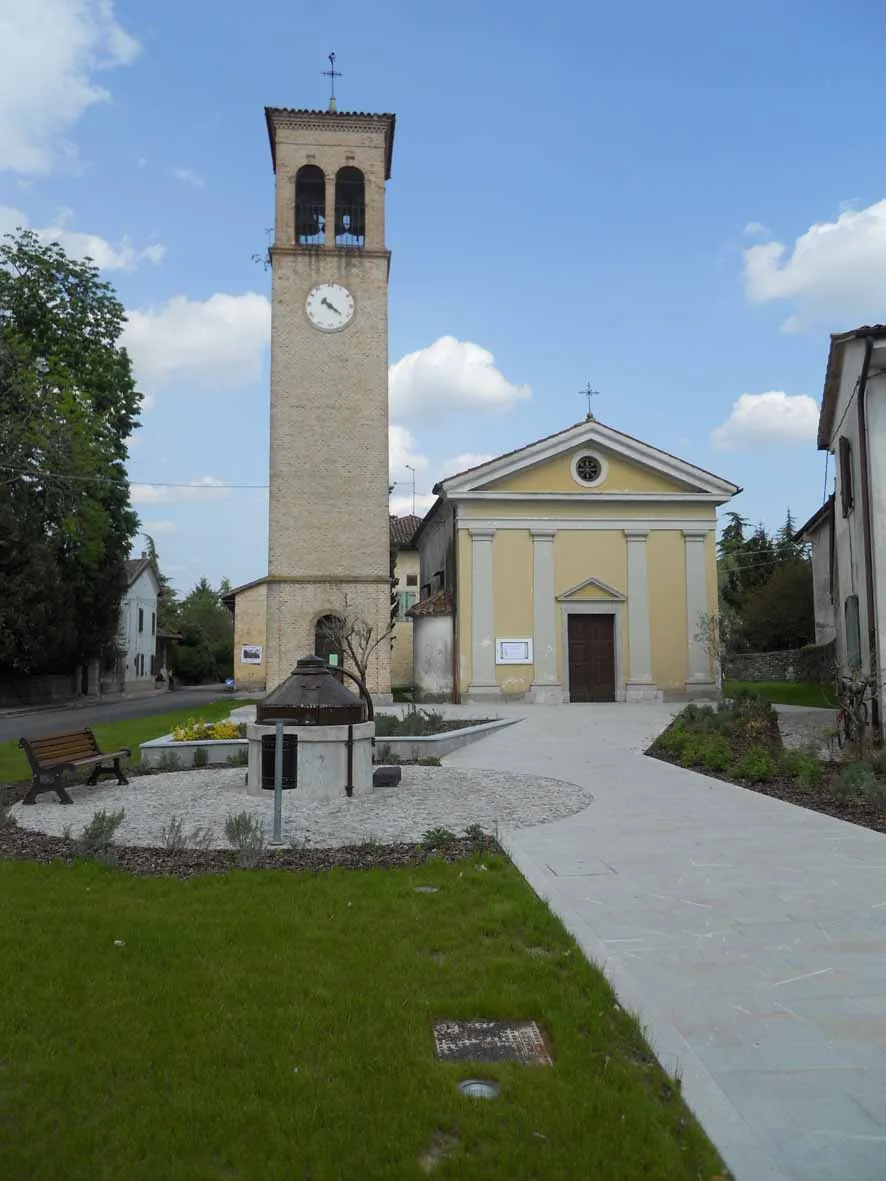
x,y
588,469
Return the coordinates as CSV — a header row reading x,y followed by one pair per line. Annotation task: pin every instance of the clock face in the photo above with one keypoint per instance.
x,y
330,307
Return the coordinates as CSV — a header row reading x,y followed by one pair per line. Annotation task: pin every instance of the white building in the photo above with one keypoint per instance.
x,y
848,534
137,629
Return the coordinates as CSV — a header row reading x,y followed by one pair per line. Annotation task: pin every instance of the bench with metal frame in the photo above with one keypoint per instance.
x,y
52,757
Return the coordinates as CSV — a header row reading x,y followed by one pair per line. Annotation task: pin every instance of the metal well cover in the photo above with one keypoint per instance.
x,y
311,696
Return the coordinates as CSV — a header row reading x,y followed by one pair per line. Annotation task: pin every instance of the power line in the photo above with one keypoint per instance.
x,y
38,472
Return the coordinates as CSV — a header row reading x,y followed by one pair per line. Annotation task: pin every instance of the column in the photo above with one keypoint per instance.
x,y
329,229
483,682
697,607
639,686
546,688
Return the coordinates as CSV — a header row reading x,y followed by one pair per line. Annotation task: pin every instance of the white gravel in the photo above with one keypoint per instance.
x,y
428,797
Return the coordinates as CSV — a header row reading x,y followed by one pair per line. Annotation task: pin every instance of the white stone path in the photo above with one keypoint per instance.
x,y
749,935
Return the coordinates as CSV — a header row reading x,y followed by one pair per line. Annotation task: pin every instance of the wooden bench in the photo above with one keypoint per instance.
x,y
51,757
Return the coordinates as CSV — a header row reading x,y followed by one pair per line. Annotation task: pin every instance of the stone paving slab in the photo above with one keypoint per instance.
x,y
748,935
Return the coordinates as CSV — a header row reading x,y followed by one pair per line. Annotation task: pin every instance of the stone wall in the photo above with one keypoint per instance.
x,y
814,663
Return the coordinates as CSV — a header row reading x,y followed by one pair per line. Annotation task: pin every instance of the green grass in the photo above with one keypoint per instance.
x,y
787,692
14,764
271,1025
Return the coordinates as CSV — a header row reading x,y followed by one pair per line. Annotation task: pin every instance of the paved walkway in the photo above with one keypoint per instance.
x,y
747,934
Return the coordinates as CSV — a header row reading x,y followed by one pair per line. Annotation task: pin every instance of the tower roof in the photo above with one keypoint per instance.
x,y
329,120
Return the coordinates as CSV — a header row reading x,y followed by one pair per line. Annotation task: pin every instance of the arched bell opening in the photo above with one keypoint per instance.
x,y
328,641
350,207
310,206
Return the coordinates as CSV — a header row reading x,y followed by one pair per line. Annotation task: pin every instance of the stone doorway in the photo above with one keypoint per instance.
x,y
591,651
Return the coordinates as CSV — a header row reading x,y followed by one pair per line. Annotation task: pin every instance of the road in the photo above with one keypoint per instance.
x,y
77,715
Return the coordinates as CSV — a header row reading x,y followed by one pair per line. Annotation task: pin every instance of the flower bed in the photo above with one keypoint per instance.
x,y
740,742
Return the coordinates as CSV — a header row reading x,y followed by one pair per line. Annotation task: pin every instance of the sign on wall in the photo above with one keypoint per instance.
x,y
513,651
251,654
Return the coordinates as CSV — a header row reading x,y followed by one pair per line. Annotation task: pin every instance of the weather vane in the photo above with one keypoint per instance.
x,y
332,73
588,392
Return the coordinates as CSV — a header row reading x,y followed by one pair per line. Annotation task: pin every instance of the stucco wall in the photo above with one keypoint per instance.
x,y
555,475
407,564
432,639
142,594
668,624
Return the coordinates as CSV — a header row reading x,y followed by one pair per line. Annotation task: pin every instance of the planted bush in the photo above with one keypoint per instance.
x,y
859,782
194,730
806,770
714,753
757,765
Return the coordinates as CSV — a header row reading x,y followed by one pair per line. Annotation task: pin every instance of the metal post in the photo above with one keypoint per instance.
x,y
278,786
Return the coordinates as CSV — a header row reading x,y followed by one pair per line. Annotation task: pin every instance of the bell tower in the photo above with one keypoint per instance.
x,y
329,526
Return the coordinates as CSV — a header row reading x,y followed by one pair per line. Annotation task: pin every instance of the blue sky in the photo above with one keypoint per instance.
x,y
678,203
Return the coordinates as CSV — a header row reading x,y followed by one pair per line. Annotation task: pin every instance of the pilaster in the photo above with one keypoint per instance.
x,y
546,688
699,679
640,685
483,683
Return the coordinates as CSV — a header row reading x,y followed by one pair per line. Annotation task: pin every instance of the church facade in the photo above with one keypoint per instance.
x,y
579,568
328,524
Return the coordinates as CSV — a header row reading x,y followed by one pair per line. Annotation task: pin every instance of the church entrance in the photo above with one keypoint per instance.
x,y
591,644
327,641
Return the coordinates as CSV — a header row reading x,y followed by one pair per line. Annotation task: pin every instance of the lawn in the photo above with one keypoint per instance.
x,y
14,764
787,692
279,1025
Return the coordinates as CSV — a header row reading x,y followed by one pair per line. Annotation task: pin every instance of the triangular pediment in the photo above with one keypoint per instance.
x,y
629,468
591,590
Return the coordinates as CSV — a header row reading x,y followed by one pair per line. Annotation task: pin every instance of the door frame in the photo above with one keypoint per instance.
x,y
614,607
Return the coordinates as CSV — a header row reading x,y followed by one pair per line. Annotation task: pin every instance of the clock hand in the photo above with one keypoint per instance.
x,y
329,305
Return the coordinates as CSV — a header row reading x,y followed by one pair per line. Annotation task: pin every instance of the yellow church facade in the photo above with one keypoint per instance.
x,y
579,568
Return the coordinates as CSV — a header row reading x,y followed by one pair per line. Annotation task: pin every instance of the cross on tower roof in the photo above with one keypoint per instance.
x,y
332,73
588,392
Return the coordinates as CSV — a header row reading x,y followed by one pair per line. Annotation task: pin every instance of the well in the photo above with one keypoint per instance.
x,y
328,735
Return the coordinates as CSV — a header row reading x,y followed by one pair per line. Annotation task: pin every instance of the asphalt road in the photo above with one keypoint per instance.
x,y
76,715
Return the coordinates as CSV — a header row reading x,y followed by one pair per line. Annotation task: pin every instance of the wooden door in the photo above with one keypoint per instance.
x,y
591,657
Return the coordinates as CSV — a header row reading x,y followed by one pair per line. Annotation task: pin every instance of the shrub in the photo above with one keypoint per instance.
x,y
878,761
201,756
757,765
173,835
438,838
7,820
247,836
807,770
714,754
690,754
98,835
858,781
240,758
672,740
194,730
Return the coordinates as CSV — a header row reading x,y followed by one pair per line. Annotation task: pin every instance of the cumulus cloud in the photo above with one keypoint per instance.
x,y
449,375
217,343
206,488
835,273
122,257
156,528
403,453
755,229
760,419
401,503
461,463
53,51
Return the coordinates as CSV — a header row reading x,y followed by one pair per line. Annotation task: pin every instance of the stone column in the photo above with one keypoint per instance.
x,y
699,678
329,228
639,686
483,682
545,688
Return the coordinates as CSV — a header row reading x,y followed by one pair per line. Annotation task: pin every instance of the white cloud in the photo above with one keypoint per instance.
x,y
755,229
122,257
835,274
449,375
189,177
771,418
52,52
461,463
207,488
401,504
218,343
402,451
155,528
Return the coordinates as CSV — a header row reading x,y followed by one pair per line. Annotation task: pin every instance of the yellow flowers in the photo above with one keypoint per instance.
x,y
194,730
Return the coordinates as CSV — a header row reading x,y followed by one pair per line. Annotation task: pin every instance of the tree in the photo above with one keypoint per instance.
x,y
780,614
206,651
68,403
166,601
350,632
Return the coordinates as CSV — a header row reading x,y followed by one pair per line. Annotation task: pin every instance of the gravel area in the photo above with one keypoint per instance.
x,y
428,797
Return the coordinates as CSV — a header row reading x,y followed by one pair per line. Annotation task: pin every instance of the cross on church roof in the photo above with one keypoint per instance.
x,y
588,392
332,73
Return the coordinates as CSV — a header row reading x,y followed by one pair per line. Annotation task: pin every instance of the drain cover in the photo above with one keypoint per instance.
x,y
427,889
491,1041
478,1088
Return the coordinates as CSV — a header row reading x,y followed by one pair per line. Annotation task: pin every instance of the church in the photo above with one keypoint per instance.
x,y
578,568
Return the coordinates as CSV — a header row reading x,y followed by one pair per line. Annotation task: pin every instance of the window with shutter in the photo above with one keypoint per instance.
x,y
853,632
847,491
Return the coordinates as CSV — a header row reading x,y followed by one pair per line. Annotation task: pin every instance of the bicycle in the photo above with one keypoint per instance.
x,y
852,715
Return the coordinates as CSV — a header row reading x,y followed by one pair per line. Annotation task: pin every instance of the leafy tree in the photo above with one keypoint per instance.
x,y
166,601
206,651
780,613
68,403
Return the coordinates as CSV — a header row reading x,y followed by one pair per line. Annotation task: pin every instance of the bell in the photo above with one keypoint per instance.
x,y
350,221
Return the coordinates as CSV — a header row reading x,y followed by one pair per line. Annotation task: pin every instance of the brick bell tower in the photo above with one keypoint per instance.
x,y
329,526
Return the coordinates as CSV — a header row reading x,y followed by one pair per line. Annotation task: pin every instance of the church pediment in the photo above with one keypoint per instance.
x,y
591,590
589,461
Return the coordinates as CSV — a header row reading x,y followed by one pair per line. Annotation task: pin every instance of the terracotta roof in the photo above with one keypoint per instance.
x,y
565,431
438,604
832,377
818,518
403,530
330,116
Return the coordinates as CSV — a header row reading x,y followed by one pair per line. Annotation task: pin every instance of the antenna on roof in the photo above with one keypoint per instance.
x,y
332,73
589,393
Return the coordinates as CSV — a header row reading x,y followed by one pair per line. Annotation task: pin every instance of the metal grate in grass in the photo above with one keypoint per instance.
x,y
491,1041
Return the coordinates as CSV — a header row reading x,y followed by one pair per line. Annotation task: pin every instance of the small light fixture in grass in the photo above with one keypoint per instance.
x,y
478,1088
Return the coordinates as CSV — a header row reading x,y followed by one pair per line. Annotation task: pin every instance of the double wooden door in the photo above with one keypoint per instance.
x,y
591,644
